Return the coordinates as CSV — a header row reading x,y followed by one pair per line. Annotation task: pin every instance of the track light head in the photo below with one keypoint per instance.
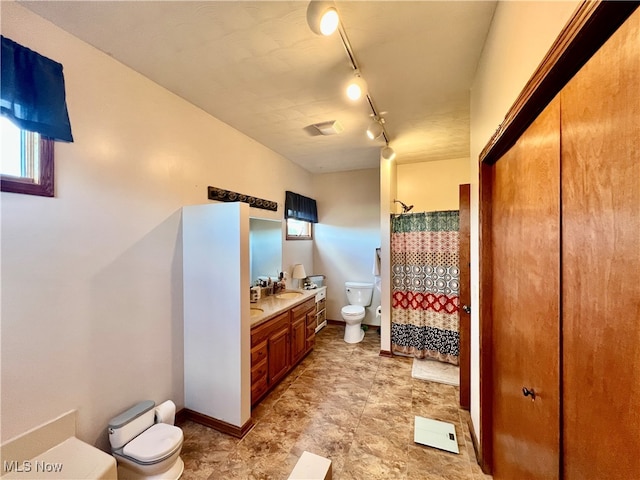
x,y
322,17
388,153
375,128
357,87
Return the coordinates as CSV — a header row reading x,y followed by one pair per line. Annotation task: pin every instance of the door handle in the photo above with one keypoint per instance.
x,y
466,308
529,392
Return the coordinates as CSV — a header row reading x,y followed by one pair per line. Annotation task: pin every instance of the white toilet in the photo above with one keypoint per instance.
x,y
145,442
359,296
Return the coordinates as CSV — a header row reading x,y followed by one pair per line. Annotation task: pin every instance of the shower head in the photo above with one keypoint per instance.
x,y
405,208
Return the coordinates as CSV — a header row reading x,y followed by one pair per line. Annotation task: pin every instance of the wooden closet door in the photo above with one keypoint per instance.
x,y
525,246
601,262
464,249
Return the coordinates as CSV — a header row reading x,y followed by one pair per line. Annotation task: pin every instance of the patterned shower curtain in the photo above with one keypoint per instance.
x,y
425,282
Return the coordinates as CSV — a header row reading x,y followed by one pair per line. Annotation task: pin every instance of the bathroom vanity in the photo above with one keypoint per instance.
x,y
282,333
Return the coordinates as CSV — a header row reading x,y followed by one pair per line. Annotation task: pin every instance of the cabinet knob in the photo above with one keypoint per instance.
x,y
529,392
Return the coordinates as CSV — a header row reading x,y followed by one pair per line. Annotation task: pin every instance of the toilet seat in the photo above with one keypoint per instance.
x,y
155,444
352,310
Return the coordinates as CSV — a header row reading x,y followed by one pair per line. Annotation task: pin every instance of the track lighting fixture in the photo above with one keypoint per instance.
x,y
375,128
388,153
322,17
357,87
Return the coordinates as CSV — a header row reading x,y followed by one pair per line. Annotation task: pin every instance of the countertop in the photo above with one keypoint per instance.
x,y
272,305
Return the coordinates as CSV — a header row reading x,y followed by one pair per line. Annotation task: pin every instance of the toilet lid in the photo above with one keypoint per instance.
x,y
156,442
353,310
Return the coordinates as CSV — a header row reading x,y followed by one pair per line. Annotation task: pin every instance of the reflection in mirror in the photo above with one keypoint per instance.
x,y
265,248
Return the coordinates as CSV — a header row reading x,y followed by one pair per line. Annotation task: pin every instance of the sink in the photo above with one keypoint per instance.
x,y
288,295
255,311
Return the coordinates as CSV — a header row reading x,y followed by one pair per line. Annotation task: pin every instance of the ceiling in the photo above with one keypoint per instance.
x,y
258,67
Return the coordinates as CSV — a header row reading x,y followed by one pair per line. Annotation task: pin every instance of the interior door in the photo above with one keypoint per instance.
x,y
464,253
601,262
525,285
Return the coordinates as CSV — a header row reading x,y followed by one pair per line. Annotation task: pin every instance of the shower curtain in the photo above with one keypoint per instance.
x,y
425,283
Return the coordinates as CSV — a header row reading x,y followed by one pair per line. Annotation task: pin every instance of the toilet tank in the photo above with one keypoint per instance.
x,y
131,423
359,293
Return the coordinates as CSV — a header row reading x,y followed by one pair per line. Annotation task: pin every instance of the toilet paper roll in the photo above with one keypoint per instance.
x,y
166,412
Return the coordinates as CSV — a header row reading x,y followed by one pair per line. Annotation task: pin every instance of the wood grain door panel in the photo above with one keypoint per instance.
x,y
278,354
601,262
464,248
525,244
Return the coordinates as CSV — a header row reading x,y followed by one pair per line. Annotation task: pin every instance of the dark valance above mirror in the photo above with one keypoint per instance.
x,y
299,207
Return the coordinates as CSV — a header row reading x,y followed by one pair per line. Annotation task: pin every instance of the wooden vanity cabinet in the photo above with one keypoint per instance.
x,y
298,338
303,324
278,354
279,344
259,369
311,328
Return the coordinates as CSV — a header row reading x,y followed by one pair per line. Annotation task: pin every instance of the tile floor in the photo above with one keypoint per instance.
x,y
348,404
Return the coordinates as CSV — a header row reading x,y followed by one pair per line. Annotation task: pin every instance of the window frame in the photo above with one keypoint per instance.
x,y
298,237
44,185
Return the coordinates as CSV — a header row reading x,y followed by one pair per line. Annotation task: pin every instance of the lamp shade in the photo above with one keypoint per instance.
x,y
374,130
322,17
356,88
298,271
388,153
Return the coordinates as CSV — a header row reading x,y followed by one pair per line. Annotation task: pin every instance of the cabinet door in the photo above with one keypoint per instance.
x,y
311,329
299,338
278,355
525,246
601,262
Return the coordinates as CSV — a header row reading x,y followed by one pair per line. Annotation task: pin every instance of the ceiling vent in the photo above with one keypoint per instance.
x,y
332,127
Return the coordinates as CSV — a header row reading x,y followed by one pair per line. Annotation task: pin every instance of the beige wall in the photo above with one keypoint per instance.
x,y
432,186
92,279
347,234
521,34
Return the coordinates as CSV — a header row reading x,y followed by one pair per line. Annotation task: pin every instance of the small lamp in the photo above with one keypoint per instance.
x,y
299,273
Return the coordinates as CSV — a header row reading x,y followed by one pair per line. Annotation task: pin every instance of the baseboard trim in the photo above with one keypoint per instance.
x,y
476,447
386,353
334,322
219,425
181,416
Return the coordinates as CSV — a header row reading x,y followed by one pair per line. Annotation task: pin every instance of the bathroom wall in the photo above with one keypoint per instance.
x,y
92,279
431,186
388,192
347,234
520,36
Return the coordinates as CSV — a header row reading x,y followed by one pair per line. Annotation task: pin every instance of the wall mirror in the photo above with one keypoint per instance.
x,y
265,248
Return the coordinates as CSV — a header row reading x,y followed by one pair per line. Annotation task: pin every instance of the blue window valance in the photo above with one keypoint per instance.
x,y
32,92
299,207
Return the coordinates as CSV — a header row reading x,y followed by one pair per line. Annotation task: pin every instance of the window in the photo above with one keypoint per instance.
x,y
26,164
299,229
301,213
